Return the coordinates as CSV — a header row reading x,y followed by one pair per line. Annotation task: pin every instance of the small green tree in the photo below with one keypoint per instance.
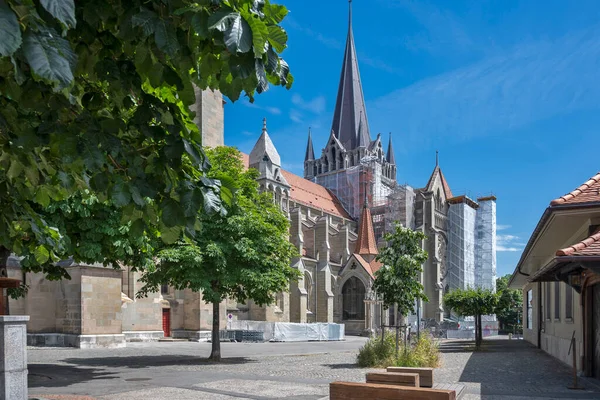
x,y
243,254
510,302
472,302
398,280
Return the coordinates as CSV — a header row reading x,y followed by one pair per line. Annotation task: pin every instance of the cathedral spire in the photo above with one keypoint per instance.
x,y
310,153
365,243
390,152
350,112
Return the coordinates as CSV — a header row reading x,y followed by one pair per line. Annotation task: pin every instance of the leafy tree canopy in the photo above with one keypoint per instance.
x,y
244,254
471,302
509,305
95,96
398,280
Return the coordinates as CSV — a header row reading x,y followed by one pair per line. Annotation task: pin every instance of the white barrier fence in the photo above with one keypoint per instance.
x,y
291,332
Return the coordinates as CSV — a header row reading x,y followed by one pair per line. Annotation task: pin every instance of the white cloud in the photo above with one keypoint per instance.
x,y
504,248
296,116
248,133
270,110
531,82
508,243
316,105
503,227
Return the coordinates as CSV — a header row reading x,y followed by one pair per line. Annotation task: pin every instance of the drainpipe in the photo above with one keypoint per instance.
x,y
540,316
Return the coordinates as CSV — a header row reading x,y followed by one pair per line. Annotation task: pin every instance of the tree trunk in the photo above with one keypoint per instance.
x,y
4,254
215,353
480,329
476,331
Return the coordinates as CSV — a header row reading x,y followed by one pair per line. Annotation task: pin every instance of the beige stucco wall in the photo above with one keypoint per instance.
x,y
556,333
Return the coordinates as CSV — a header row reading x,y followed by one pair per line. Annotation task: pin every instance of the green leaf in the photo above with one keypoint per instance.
x,y
165,38
200,24
221,20
278,37
169,235
120,195
260,34
262,84
15,170
62,10
136,196
172,214
193,152
42,197
147,20
49,56
9,30
41,254
238,35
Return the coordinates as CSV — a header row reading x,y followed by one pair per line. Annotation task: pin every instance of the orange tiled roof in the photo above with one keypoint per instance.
x,y
365,244
313,195
587,247
586,193
371,267
309,193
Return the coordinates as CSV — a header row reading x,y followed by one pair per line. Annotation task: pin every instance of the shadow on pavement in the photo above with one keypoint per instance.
x,y
342,366
514,368
51,375
152,361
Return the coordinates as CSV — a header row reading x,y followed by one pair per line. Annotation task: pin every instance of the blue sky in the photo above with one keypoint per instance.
x,y
507,91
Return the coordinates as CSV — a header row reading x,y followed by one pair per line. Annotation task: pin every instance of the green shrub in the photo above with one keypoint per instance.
x,y
376,354
423,353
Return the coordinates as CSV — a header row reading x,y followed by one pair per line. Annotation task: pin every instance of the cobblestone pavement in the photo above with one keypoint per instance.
x,y
504,370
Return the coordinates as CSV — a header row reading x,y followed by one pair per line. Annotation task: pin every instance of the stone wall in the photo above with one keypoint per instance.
x,y
143,314
210,116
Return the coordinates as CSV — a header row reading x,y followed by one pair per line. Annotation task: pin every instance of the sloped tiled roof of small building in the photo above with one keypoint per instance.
x,y
589,246
586,193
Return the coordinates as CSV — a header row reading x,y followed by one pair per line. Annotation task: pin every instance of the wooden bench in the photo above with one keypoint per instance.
x,y
394,378
425,374
369,391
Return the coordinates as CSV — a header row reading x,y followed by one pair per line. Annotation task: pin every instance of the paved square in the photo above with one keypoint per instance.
x,y
504,370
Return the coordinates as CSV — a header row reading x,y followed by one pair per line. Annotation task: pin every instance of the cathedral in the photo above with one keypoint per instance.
x,y
339,211
353,180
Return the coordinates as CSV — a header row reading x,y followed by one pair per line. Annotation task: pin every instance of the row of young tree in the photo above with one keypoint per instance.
x,y
101,160
505,303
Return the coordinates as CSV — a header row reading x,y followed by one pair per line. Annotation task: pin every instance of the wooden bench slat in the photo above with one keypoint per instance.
x,y
425,374
394,378
369,391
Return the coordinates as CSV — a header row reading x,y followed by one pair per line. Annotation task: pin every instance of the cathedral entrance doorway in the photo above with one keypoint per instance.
x,y
166,322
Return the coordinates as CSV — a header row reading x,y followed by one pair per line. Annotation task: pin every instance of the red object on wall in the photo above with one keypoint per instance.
x,y
166,322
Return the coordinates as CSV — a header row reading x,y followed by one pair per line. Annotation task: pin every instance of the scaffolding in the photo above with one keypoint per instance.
x,y
485,255
387,200
461,244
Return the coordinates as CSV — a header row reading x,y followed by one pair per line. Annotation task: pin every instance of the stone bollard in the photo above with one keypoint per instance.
x,y
13,350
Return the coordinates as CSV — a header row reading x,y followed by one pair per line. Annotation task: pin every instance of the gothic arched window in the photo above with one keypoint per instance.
x,y
309,292
353,296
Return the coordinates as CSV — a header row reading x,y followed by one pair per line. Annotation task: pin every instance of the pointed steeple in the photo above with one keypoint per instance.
x,y
438,171
365,244
390,152
264,147
350,112
310,153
